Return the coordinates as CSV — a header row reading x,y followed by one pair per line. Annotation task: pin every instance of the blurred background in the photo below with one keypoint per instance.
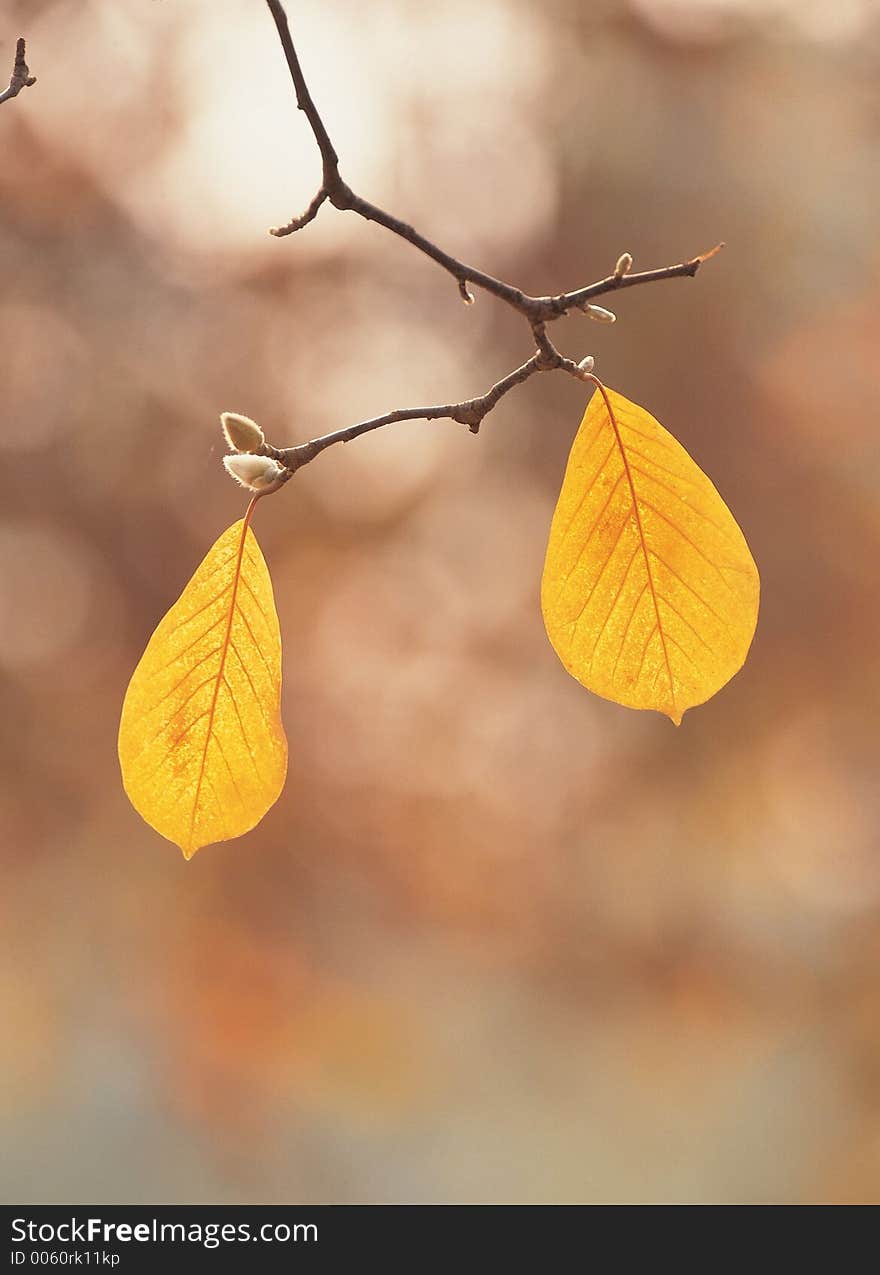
x,y
500,940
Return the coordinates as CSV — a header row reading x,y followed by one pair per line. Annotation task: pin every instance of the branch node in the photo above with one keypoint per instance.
x,y
469,414
341,195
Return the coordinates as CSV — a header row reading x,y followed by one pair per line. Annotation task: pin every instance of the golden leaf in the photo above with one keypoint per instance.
x,y
201,744
650,593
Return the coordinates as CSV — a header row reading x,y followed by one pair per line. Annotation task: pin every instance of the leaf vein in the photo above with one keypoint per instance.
x,y
724,623
590,535
693,544
256,644
236,576
632,616
244,735
641,530
216,739
189,647
672,492
178,710
250,680
611,553
257,604
696,632
655,629
679,647
614,603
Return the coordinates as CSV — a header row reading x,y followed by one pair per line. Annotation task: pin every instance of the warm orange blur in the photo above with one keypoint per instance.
x,y
499,940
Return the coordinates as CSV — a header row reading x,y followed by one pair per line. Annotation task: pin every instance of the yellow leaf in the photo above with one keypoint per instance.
x,y
201,744
650,593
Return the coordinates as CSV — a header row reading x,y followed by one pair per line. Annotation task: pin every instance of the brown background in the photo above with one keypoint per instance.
x,y
499,940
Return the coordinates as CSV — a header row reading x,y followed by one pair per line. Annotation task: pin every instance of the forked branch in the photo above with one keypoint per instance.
x,y
538,311
21,77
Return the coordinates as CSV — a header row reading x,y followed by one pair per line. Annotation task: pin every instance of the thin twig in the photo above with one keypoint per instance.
x,y
538,311
304,101
340,195
614,283
470,411
21,77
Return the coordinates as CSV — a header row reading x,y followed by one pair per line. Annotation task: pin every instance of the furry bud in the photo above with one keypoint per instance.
x,y
257,473
586,365
241,433
600,314
624,265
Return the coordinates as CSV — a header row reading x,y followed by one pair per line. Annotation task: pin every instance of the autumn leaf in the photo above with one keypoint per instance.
x,y
201,744
650,593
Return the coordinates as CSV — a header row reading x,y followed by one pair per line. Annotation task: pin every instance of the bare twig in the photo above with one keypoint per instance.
x,y
21,77
538,311
468,412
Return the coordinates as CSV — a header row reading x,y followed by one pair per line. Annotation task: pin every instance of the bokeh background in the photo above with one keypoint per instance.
x,y
499,940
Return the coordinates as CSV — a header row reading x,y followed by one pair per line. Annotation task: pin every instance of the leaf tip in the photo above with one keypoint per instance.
x,y
191,847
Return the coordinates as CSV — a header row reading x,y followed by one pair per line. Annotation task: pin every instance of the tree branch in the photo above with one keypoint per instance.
x,y
303,96
538,311
21,77
469,412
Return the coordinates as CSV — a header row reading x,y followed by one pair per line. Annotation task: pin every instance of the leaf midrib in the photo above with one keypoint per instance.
x,y
224,651
635,504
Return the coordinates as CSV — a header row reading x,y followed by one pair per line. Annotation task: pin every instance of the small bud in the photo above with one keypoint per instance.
x,y
586,365
600,314
624,265
466,295
257,473
241,433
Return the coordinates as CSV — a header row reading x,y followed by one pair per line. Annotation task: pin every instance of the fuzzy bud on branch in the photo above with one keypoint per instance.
x,y
241,433
624,265
257,473
600,314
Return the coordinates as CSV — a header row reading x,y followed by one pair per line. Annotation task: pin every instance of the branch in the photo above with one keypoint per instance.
x,y
614,282
470,411
21,77
303,97
538,311
340,195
